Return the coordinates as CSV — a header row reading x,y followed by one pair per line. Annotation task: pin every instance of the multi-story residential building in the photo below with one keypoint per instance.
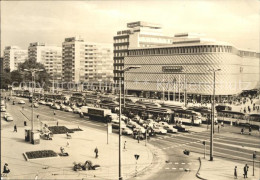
x,y
48,55
168,71
13,56
138,34
86,62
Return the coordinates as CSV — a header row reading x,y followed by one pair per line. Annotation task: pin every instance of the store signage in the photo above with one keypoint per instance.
x,y
172,69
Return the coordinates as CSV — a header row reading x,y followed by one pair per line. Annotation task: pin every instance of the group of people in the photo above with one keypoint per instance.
x,y
245,169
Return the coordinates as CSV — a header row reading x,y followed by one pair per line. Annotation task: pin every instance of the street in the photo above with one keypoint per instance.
x,y
228,145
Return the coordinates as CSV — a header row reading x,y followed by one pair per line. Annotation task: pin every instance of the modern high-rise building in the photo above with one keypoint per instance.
x,y
86,62
48,55
139,34
13,55
186,66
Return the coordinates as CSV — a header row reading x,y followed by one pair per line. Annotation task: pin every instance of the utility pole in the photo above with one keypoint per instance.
x,y
120,148
212,114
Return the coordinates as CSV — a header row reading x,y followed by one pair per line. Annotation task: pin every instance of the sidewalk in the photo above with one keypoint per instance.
x,y
221,169
81,148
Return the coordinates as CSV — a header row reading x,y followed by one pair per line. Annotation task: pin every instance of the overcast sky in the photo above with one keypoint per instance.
x,y
23,22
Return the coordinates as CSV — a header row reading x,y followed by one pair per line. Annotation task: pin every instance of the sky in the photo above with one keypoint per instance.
x,y
24,22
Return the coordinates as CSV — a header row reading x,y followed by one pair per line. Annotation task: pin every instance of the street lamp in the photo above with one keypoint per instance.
x,y
212,112
120,113
33,71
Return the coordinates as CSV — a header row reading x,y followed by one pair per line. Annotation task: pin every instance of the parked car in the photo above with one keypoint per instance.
x,y
56,106
42,102
8,117
21,102
170,129
139,129
6,114
35,105
67,109
3,109
159,130
77,110
62,106
180,127
49,103
127,131
115,124
163,124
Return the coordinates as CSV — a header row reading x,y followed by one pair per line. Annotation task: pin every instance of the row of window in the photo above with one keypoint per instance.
x,y
194,49
121,47
119,61
121,54
121,40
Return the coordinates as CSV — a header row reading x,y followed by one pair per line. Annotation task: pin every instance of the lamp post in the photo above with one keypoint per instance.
x,y
33,71
120,113
212,114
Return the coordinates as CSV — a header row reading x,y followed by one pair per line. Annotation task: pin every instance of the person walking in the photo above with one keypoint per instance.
x,y
250,130
235,172
245,171
124,144
15,128
96,151
25,123
218,128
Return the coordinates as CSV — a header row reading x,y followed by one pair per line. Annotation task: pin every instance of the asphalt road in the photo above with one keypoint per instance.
x,y
234,147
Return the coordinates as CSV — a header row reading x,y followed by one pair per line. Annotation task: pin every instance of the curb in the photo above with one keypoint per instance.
x,y
198,174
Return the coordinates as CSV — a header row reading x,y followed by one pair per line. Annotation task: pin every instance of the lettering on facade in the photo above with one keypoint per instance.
x,y
172,69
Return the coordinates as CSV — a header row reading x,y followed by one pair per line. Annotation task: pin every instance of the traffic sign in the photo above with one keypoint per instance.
x,y
136,156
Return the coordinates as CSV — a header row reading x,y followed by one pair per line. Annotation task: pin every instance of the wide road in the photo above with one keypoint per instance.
x,y
234,147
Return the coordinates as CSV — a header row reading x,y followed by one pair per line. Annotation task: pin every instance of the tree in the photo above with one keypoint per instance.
x,y
41,77
16,76
5,80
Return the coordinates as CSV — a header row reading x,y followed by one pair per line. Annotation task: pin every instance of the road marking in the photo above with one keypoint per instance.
x,y
182,163
180,168
189,163
167,168
176,163
174,168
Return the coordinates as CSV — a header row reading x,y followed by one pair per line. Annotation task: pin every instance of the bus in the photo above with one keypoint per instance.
x,y
187,117
232,116
205,114
254,120
164,114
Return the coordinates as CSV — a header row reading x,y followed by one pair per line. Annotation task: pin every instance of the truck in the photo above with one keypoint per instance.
x,y
97,114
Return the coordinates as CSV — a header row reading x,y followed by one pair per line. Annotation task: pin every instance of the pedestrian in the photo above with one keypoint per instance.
x,y
235,172
245,171
6,169
96,151
15,128
36,177
124,144
38,116
242,131
25,123
218,128
68,144
250,130
57,123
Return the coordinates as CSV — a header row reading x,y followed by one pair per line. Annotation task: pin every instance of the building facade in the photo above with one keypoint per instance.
x,y
13,56
139,34
48,55
171,70
86,62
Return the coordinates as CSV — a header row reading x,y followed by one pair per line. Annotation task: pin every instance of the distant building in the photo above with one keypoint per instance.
x,y
86,61
163,69
13,56
139,34
48,55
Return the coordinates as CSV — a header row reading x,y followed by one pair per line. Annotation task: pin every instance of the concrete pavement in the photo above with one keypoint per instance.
x,y
222,169
81,148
